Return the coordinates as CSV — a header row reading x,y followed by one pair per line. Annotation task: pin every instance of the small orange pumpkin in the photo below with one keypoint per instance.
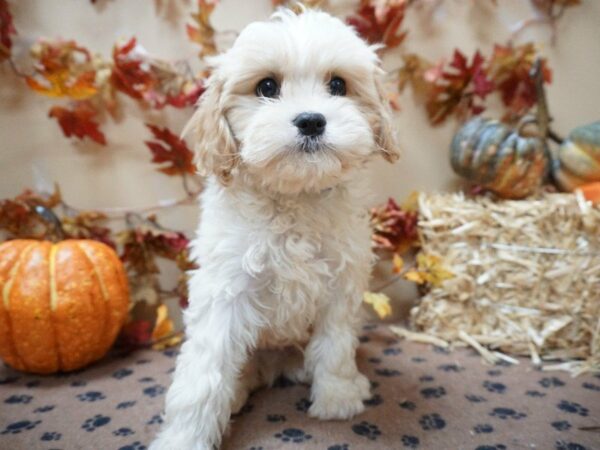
x,y
62,305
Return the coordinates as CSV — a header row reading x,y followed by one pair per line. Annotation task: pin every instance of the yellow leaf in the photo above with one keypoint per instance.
x,y
380,303
398,263
162,334
429,270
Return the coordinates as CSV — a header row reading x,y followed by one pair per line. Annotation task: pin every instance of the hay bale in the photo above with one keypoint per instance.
x,y
527,277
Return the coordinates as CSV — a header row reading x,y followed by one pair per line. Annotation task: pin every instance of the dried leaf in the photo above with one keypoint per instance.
x,y
398,263
509,68
79,121
163,335
380,303
175,152
429,271
203,33
379,21
393,228
456,90
7,29
62,69
88,225
135,334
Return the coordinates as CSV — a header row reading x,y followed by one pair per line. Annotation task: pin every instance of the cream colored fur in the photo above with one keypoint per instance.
x,y
284,242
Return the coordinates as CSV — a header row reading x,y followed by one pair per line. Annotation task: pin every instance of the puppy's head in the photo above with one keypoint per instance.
x,y
295,104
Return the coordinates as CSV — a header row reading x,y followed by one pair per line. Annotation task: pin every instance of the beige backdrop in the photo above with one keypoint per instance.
x,y
33,152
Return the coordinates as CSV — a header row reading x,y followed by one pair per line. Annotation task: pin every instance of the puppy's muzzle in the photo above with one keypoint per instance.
x,y
310,124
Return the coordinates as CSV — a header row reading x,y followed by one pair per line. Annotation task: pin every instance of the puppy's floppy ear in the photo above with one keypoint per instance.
x,y
215,146
384,129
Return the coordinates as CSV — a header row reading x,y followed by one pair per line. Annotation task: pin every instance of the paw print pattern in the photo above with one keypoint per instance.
x,y
408,405
426,378
366,429
491,447
374,401
563,445
303,404
338,447
20,426
171,352
591,386
498,388
374,360
561,425
95,422
156,419
441,350
78,383
494,373
475,398
507,413
450,368
433,392
392,351
125,405
91,396
137,445
141,362
154,391
293,435
9,380
432,422
123,431
410,441
573,408
146,380
16,399
549,382
43,409
535,394
364,339
275,418
483,428
122,373
418,359
388,372
51,436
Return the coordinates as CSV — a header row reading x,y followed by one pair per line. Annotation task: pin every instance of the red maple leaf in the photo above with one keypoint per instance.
x,y
128,75
510,69
455,90
7,29
175,152
379,22
78,121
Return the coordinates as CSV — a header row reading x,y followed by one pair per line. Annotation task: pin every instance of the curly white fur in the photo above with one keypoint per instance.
x,y
283,243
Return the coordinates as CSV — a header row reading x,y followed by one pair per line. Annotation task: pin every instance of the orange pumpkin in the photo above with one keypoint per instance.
x,y
62,304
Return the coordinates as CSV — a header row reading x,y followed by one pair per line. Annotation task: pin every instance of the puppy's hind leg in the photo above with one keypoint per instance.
x,y
199,401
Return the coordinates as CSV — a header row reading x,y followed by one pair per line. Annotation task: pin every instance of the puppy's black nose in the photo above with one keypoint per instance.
x,y
310,124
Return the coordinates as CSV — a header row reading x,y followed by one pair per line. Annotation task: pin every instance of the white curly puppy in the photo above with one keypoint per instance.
x,y
292,114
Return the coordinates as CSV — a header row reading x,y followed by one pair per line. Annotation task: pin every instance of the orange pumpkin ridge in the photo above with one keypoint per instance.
x,y
52,299
8,349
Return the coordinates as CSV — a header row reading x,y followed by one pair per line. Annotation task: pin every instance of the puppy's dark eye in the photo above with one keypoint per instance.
x,y
267,87
337,86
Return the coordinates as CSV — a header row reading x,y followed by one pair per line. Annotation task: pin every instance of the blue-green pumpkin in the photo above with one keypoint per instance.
x,y
499,158
578,158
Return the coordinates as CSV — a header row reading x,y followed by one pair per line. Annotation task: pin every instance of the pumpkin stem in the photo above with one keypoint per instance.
x,y
48,216
555,137
543,116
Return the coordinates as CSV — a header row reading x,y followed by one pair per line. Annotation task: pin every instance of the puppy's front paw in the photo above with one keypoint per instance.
x,y
339,398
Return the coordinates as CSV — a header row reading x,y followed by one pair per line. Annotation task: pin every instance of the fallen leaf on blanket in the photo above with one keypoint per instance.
x,y
162,334
380,303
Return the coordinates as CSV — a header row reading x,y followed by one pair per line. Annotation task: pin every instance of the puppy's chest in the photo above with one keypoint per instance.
x,y
295,260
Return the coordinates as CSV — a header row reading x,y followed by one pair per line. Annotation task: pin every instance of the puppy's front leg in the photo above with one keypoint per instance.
x,y
338,388
198,403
